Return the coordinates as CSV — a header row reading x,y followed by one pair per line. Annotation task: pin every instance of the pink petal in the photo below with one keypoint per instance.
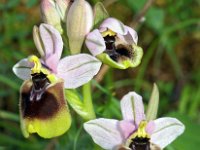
x,y
126,128
78,69
132,107
104,132
114,25
150,127
166,131
132,36
52,41
22,69
95,42
51,63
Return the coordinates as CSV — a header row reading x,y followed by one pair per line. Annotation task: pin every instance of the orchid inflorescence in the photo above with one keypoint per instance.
x,y
51,78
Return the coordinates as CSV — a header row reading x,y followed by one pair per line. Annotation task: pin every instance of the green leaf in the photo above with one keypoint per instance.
x,y
82,106
9,116
100,14
152,108
75,102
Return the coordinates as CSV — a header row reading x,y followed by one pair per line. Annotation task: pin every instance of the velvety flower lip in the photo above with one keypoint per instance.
x,y
43,111
75,70
114,134
115,44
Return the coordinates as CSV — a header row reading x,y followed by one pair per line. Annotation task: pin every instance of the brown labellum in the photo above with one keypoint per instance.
x,y
46,105
117,49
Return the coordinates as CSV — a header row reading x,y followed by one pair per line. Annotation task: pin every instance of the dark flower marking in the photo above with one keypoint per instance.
x,y
50,102
140,144
117,52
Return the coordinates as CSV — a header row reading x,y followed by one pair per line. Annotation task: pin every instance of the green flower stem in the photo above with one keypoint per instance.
x,y
87,100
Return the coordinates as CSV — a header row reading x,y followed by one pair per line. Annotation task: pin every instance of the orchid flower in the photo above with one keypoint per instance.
x,y
115,44
134,132
43,108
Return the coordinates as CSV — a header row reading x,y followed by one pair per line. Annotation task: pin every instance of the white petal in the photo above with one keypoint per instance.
x,y
104,132
166,130
22,69
78,69
132,107
95,42
132,36
114,25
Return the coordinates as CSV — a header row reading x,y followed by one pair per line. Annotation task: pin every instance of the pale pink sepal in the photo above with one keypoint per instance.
x,y
166,130
132,36
22,69
104,132
126,128
114,25
132,107
53,44
78,69
95,42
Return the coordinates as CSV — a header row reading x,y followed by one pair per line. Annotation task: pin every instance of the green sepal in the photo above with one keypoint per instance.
x,y
124,64
100,14
152,108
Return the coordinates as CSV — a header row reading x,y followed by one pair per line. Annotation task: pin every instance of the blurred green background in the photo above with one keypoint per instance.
x,y
170,37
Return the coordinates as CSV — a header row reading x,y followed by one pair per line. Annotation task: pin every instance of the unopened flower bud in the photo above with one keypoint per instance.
x,y
50,14
62,7
79,23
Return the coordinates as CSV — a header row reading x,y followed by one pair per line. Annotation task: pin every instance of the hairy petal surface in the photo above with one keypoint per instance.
x,y
166,130
104,132
78,69
48,117
132,107
22,69
95,42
